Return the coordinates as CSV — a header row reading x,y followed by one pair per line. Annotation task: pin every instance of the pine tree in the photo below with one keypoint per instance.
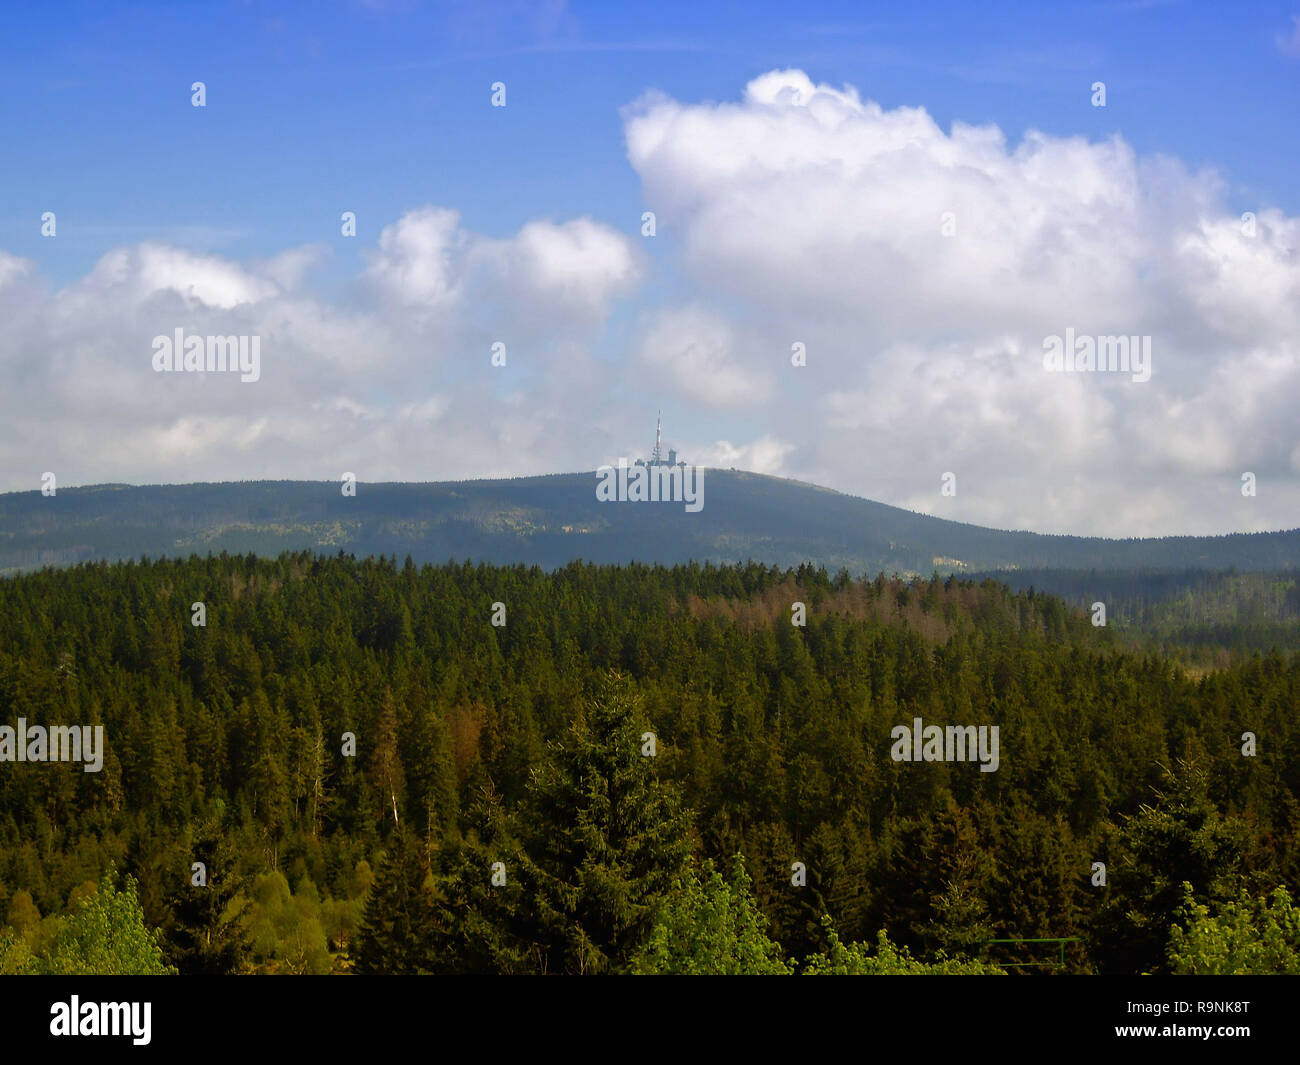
x,y
206,929
394,936
1179,838
608,837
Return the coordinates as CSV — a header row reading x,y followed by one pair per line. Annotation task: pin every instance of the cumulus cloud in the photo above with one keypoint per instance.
x,y
924,268
764,455
142,271
389,377
426,259
418,258
580,266
695,350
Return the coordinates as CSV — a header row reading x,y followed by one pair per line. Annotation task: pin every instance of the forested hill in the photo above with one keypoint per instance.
x,y
552,520
488,728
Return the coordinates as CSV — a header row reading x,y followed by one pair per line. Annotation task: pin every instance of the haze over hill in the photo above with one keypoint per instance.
x,y
551,520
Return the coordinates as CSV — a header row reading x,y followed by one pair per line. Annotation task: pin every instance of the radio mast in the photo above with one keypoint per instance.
x,y
657,456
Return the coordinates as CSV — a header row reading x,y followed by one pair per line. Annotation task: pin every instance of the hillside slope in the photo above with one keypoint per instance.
x,y
554,519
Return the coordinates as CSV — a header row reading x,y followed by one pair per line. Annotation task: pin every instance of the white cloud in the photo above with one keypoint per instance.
x,y
417,258
12,268
696,351
812,214
390,378
288,268
580,265
142,271
427,259
764,455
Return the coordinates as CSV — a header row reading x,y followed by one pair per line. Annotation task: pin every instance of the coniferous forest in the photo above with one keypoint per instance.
x,y
334,765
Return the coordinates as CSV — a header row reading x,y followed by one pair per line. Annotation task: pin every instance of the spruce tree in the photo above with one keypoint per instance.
x,y
606,836
206,930
394,936
1179,839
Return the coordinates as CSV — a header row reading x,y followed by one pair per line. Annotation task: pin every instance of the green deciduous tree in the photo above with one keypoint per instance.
x,y
708,925
105,936
1245,936
854,959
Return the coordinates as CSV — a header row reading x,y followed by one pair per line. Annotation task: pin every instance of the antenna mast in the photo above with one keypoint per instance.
x,y
657,457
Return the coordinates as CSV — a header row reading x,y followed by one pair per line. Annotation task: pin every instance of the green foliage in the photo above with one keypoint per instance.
x,y
1179,839
949,866
709,926
1199,617
105,936
855,959
16,958
522,745
478,925
1244,936
301,945
23,912
395,929
607,836
206,932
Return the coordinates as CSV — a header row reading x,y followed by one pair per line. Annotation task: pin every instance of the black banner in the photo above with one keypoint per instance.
x,y
663,1016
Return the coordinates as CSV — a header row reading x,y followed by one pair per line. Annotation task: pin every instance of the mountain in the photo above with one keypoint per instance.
x,y
551,520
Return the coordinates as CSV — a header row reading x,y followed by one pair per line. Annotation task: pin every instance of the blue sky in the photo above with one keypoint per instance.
x,y
798,158
380,107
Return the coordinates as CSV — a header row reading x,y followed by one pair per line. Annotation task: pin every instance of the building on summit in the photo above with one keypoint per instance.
x,y
653,480
657,455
